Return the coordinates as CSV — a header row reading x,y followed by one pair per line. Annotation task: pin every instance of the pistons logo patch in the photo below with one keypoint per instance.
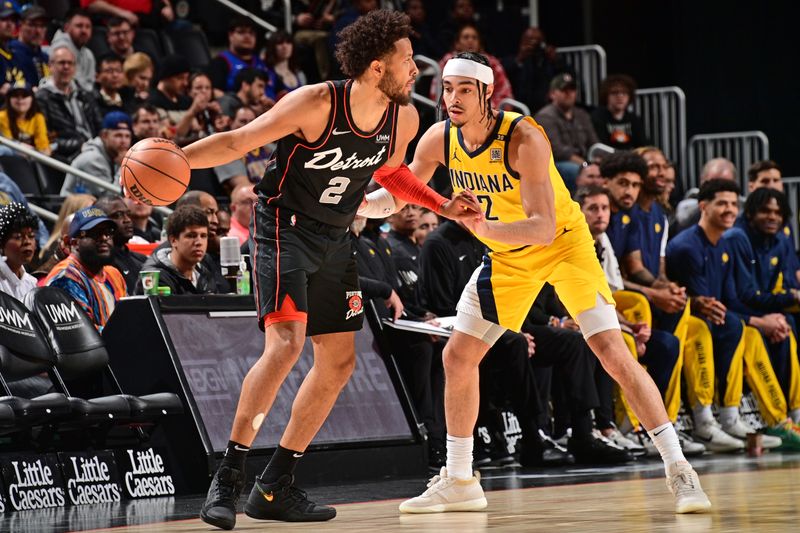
x,y
355,306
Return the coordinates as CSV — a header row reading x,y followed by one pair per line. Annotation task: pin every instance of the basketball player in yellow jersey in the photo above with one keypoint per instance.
x,y
537,234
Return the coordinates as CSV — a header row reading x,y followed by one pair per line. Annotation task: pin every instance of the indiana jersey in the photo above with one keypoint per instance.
x,y
325,179
486,172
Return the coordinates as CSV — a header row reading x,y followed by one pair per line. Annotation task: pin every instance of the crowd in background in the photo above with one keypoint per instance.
x,y
713,269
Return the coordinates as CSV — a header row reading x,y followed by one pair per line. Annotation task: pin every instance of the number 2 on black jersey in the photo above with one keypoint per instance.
x,y
333,194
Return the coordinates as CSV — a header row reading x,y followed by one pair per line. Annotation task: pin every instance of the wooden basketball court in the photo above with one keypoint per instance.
x,y
764,500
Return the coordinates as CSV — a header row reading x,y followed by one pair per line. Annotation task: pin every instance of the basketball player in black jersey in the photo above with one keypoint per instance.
x,y
332,137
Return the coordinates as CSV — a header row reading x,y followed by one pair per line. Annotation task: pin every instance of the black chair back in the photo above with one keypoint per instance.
x,y
77,345
21,333
14,367
192,45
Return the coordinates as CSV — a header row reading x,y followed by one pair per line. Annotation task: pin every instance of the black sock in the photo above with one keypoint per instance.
x,y
582,425
235,455
282,462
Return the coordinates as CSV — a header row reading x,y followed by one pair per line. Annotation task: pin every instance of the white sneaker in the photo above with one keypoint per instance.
x,y
623,442
710,434
684,484
447,493
689,446
740,428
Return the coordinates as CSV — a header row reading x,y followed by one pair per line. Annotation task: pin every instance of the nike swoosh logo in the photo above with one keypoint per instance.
x,y
462,257
239,448
297,455
704,439
337,132
125,272
660,432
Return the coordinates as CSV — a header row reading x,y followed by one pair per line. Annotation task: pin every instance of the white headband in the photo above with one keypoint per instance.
x,y
469,69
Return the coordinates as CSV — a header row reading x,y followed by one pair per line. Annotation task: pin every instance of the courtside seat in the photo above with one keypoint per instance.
x,y
7,418
83,358
24,354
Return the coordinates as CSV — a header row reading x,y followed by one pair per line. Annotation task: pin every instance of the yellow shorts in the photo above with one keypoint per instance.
x,y
502,290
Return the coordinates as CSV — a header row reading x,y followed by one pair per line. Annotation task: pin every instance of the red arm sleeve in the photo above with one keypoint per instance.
x,y
403,184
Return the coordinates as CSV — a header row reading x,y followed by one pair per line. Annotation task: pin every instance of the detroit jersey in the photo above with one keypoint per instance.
x,y
325,179
486,172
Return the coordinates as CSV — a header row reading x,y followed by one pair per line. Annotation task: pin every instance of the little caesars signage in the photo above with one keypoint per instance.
x,y
91,478
144,474
33,482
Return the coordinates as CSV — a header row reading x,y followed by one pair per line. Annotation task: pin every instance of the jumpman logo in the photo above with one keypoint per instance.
x,y
455,156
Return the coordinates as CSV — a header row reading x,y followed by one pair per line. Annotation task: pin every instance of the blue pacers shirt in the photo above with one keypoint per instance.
x,y
623,232
703,268
653,231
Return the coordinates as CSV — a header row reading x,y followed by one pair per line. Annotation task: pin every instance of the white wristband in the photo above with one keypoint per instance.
x,y
380,204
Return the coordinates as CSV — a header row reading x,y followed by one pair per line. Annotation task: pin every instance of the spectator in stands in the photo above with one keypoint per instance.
x,y
241,53
614,124
170,94
154,14
75,36
250,85
181,265
568,127
700,258
235,173
18,228
281,60
146,123
87,274
208,204
652,220
687,212
122,258
143,226
405,254
55,249
120,37
10,192
21,120
27,48
224,225
423,40
764,174
462,13
9,69
312,23
589,175
469,39
138,68
242,200
256,161
101,156
204,116
532,68
112,93
71,113
670,178
428,222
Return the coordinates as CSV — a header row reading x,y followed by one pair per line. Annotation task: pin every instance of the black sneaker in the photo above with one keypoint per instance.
x,y
219,508
283,501
544,452
437,458
592,450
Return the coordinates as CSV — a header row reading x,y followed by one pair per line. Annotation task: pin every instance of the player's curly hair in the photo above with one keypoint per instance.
x,y
623,161
370,37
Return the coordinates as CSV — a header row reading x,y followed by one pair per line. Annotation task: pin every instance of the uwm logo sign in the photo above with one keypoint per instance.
x,y
19,323
63,313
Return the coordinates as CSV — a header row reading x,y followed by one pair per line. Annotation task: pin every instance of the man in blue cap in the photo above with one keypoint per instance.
x,y
102,155
87,274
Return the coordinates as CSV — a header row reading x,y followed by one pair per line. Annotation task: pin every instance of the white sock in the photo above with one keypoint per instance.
x,y
728,415
702,414
665,440
459,457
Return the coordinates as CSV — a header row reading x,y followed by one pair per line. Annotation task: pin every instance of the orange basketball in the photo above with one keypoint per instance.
x,y
155,171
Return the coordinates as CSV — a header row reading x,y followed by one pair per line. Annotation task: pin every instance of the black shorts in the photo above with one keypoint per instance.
x,y
304,270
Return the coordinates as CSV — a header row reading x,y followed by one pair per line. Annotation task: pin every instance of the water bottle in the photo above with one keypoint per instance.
x,y
243,277
229,259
